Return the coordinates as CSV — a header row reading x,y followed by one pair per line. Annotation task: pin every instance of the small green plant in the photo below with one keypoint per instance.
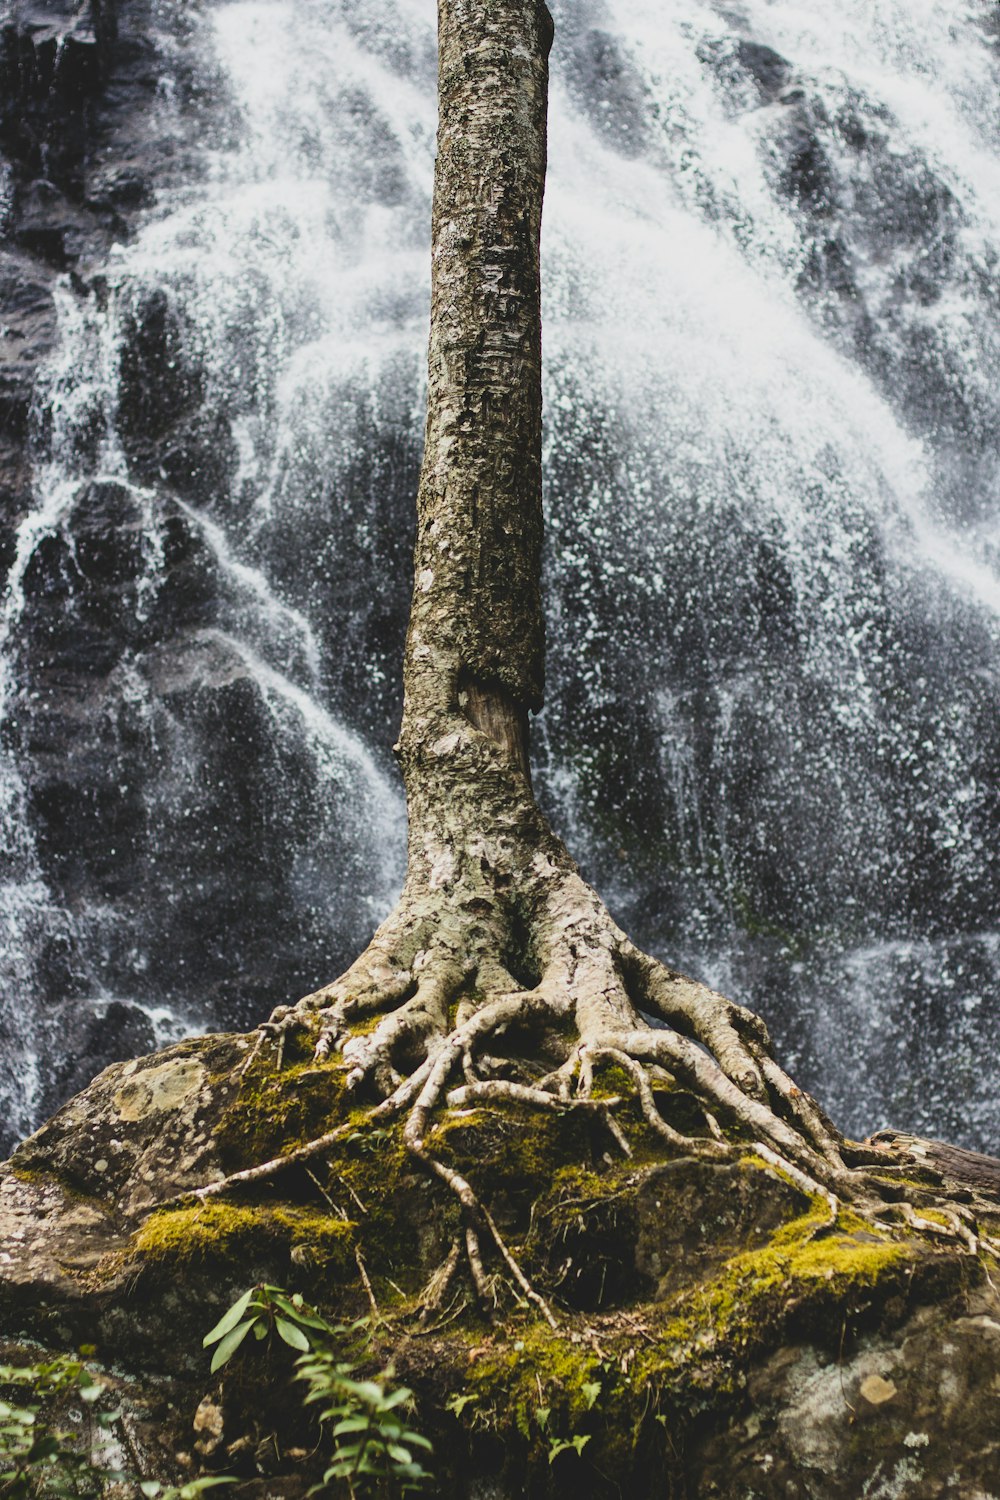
x,y
48,1443
154,1490
560,1445
372,1444
371,1440
369,1141
40,1455
265,1309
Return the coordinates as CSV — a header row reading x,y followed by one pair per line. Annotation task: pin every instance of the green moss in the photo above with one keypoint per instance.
x,y
632,1383
511,1150
32,1175
577,1193
402,1222
919,1181
367,1024
38,1177
935,1216
540,1368
746,1304
273,1112
223,1232
611,1081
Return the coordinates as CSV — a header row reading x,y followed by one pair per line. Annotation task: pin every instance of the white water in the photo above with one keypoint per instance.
x,y
772,376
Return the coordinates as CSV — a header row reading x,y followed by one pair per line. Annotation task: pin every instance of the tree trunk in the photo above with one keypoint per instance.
x,y
496,933
476,618
501,978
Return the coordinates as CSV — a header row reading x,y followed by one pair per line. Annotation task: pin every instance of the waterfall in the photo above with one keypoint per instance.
x,y
772,373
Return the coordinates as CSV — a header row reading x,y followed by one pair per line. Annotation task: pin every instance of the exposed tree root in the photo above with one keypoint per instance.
x,y
432,1016
446,1023
432,1298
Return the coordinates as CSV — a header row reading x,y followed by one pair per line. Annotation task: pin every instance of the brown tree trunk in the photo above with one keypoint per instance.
x,y
476,615
495,931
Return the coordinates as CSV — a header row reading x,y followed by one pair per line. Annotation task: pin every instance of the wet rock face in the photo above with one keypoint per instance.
x,y
808,761
902,1416
55,118
165,793
76,85
84,149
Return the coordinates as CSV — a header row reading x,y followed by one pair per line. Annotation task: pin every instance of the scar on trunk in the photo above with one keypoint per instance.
x,y
490,708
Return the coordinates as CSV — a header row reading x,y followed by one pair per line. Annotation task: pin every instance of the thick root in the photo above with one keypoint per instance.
x,y
441,1032
453,1027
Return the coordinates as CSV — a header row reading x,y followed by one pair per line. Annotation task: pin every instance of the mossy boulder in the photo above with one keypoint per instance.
x,y
718,1331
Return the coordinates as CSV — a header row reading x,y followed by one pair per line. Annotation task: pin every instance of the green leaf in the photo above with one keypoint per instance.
x,y
297,1310
44,1447
292,1334
352,1424
287,1306
457,1404
150,1488
557,1446
310,1320
230,1343
229,1319
542,1413
396,1397
365,1390
591,1390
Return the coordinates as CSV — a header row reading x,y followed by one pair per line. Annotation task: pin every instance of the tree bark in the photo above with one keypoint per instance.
x,y
476,615
495,932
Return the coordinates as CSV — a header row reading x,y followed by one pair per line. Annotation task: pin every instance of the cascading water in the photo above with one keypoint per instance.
x,y
772,358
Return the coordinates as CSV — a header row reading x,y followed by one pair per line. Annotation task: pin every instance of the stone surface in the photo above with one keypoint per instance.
x,y
906,1415
729,1343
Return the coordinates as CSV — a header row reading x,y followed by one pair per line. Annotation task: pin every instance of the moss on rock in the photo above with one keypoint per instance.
x,y
682,1286
230,1235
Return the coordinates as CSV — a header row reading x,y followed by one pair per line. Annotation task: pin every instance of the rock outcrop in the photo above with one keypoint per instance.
x,y
719,1333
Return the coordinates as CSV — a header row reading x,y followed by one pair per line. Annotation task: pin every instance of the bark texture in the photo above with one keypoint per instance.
x,y
500,974
476,604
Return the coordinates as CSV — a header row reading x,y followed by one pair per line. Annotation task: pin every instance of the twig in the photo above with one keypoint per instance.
x,y
436,1289
360,1260
261,1172
517,1273
475,1259
323,1192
